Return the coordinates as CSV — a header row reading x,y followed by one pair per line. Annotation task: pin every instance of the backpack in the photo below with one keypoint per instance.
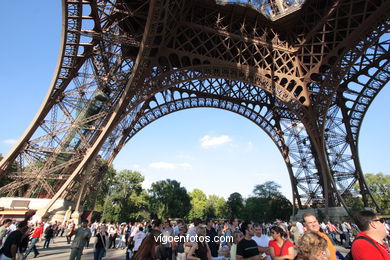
x,y
349,255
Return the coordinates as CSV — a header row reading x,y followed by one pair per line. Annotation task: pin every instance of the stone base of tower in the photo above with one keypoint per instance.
x,y
335,214
13,207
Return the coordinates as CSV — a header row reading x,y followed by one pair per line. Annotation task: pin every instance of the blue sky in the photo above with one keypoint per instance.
x,y
214,150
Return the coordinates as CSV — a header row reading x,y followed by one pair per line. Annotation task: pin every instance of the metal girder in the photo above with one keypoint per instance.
x,y
305,77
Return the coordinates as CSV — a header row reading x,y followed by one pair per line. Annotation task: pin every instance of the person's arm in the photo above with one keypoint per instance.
x,y
14,249
192,251
208,251
263,249
290,255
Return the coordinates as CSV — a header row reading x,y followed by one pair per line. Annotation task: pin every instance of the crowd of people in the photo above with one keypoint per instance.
x,y
308,239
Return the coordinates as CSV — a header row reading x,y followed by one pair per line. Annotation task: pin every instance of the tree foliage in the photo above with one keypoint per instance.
x,y
379,185
267,190
235,205
198,203
169,199
268,203
125,199
216,207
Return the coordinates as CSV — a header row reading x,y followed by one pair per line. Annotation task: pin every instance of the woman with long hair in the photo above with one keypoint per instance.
x,y
200,250
149,246
280,248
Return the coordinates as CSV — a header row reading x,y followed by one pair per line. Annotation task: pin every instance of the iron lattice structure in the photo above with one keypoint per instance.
x,y
304,72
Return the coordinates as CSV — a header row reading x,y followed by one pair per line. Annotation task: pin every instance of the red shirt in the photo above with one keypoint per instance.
x,y
37,232
272,243
364,250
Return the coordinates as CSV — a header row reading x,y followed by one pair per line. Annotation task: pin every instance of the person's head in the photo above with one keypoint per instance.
x,y
257,229
167,223
7,222
277,232
156,224
84,223
311,246
22,226
311,223
247,229
196,222
237,236
368,221
233,222
201,231
102,228
209,223
182,230
225,251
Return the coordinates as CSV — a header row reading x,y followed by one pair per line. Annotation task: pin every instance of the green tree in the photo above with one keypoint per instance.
x,y
199,204
279,207
97,203
267,190
125,199
235,204
169,199
379,184
216,207
255,209
270,199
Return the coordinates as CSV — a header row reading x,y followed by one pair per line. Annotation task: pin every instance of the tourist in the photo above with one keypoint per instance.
x,y
13,242
149,246
113,233
200,250
4,230
181,255
369,242
233,224
247,247
212,234
49,234
138,238
167,233
312,246
280,248
35,237
311,223
81,237
101,242
262,241
237,236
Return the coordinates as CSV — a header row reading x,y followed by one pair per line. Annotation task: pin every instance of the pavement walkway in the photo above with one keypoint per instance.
x,y
60,250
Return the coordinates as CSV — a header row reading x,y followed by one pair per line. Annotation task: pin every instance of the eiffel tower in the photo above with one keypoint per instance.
x,y
305,72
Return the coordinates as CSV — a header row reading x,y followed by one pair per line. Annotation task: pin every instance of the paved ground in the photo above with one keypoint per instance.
x,y
61,251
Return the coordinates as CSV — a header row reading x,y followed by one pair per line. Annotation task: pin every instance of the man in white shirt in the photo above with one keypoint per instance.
x,y
261,241
301,230
138,237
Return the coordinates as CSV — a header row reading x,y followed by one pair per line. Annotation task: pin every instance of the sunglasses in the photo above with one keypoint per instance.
x,y
381,220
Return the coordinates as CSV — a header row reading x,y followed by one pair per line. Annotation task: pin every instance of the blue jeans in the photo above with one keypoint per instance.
x,y
32,246
98,254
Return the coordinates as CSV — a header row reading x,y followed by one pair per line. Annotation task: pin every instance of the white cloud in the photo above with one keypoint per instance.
x,y
169,166
208,141
10,141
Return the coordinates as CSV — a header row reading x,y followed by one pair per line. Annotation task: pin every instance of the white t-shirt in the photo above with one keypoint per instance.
x,y
262,241
138,237
301,230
